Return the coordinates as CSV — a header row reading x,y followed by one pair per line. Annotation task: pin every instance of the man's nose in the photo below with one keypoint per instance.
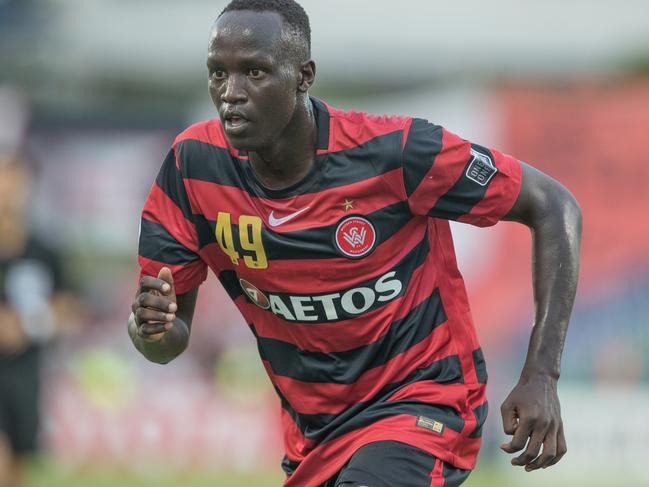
x,y
234,91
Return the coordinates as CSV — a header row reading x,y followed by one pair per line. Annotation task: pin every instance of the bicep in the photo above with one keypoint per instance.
x,y
540,196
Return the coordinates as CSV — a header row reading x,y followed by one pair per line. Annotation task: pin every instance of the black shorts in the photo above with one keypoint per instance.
x,y
395,464
19,400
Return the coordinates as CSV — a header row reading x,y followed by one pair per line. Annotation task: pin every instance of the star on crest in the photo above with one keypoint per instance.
x,y
348,204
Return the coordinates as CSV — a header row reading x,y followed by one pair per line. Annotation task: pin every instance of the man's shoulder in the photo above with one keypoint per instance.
x,y
351,128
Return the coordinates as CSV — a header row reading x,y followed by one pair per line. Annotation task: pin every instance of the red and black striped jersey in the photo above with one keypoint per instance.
x,y
347,279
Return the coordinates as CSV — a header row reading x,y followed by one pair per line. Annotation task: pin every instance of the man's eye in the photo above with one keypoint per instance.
x,y
218,74
255,73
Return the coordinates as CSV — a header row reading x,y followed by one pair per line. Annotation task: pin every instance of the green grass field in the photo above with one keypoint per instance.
x,y
44,475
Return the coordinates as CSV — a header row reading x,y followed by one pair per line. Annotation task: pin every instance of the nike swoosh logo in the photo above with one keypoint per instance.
x,y
276,222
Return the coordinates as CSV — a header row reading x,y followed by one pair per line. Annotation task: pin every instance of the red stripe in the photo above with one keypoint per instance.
x,y
323,398
326,460
501,194
444,173
325,207
437,475
453,395
295,444
215,258
186,277
209,132
349,129
159,208
406,133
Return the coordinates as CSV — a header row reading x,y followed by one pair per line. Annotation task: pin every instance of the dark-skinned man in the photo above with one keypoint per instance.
x,y
329,230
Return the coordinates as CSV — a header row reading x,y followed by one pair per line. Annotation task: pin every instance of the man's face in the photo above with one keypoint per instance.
x,y
252,81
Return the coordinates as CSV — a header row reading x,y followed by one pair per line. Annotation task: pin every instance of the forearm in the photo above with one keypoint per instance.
x,y
162,351
556,236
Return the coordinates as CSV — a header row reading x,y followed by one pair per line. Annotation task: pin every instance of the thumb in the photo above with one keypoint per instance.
x,y
510,419
166,275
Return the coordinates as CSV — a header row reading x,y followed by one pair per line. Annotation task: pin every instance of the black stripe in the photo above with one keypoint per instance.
x,y
317,243
445,414
423,144
322,120
453,476
318,426
463,196
211,163
289,466
480,366
312,243
206,162
170,181
230,283
156,243
480,414
346,367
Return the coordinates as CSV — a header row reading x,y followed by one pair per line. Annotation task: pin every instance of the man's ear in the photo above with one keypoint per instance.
x,y
307,76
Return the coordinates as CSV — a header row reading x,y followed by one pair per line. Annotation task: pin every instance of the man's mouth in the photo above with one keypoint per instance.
x,y
234,123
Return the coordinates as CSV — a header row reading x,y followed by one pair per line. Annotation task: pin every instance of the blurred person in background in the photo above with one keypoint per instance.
x,y
35,306
283,176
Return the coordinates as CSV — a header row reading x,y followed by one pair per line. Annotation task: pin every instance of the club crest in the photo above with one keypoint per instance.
x,y
355,237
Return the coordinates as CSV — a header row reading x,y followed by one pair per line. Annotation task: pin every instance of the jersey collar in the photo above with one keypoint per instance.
x,y
321,114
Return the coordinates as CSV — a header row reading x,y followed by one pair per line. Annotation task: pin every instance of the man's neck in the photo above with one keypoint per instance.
x,y
291,157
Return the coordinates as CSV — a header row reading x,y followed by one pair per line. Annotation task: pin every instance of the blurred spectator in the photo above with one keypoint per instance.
x,y
34,306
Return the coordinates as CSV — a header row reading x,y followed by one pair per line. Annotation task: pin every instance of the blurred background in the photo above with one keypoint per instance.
x,y
92,94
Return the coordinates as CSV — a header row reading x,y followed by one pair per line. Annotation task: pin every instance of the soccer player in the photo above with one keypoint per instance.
x,y
34,301
329,230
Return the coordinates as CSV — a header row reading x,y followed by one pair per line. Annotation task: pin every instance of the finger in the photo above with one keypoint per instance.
x,y
146,315
148,329
510,418
549,451
520,437
534,445
168,286
153,301
150,283
562,448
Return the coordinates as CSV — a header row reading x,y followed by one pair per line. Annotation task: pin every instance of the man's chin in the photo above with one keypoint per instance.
x,y
242,143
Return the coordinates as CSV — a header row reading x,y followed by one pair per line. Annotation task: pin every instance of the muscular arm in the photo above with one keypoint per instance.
x,y
532,409
160,324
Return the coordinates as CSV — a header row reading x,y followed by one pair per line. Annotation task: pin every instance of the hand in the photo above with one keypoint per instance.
x,y
155,306
532,412
12,336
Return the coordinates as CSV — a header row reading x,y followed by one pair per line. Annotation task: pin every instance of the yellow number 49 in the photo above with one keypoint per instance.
x,y
249,237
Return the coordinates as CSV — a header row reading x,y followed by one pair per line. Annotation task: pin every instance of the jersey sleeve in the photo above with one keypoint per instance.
x,y
448,177
168,236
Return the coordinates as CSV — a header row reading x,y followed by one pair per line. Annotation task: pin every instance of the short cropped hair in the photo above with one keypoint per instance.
x,y
294,16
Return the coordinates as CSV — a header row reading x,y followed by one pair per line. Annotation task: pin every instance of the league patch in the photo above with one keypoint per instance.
x,y
481,168
253,292
430,424
355,237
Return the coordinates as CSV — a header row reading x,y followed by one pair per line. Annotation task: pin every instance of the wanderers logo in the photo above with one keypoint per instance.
x,y
355,237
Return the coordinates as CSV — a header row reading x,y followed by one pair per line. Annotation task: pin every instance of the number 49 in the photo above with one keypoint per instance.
x,y
249,238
